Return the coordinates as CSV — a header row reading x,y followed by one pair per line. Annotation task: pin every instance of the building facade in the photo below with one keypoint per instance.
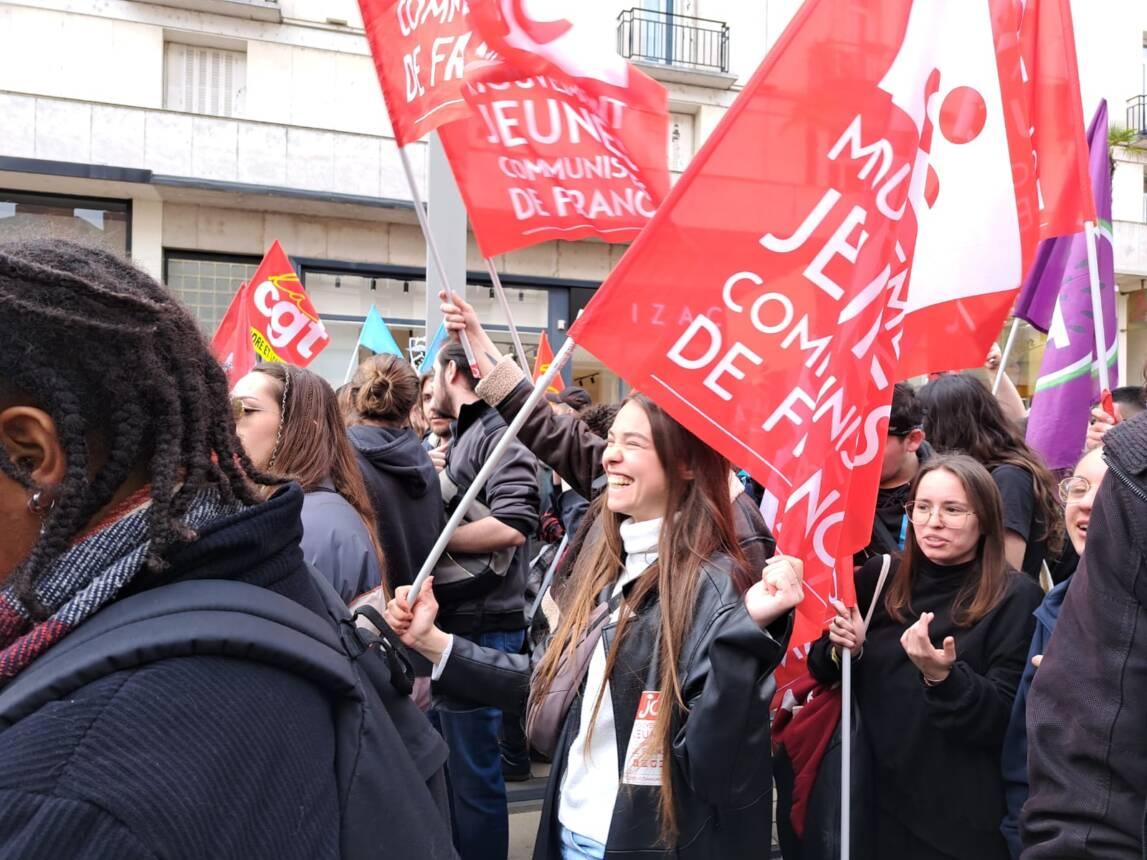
x,y
191,134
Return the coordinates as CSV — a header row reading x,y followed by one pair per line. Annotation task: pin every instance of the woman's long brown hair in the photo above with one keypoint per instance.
x,y
698,525
988,582
962,417
313,445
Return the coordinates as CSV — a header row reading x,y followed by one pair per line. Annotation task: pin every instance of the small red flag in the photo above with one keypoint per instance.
x,y
542,364
278,317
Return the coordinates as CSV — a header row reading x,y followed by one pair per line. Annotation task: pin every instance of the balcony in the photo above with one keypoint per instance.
x,y
676,47
1137,114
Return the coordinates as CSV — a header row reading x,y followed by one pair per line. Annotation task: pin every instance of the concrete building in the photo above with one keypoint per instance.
x,y
192,133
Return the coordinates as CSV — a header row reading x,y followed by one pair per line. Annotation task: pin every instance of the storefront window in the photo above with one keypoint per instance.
x,y
206,284
102,223
1024,361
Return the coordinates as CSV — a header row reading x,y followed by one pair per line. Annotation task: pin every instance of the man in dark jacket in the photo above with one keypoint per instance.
x,y
492,610
1088,704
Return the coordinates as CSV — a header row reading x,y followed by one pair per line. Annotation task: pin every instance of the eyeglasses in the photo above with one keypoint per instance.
x,y
237,408
1074,489
949,515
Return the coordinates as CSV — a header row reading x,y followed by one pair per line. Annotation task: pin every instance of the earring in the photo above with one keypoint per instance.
x,y
40,503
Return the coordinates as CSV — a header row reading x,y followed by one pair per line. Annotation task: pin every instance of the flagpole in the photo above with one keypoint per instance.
x,y
435,254
1091,232
519,350
350,368
489,466
1006,355
845,754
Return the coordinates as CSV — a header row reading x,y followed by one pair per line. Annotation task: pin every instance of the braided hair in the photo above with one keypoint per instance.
x,y
128,379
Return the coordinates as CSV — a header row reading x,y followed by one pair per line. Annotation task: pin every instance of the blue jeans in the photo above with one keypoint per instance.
x,y
474,769
578,847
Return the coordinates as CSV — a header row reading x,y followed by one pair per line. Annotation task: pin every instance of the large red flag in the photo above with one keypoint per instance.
x,y
566,139
275,313
1047,44
872,180
420,52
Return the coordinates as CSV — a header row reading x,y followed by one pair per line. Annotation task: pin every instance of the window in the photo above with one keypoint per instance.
x,y
680,141
207,283
103,223
204,80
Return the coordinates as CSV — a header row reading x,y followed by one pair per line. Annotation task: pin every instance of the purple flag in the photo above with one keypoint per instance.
x,y
1056,298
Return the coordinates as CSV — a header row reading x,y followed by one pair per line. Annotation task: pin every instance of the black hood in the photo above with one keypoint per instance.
x,y
399,453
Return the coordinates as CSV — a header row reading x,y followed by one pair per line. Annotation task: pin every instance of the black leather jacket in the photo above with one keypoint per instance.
x,y
721,761
1087,708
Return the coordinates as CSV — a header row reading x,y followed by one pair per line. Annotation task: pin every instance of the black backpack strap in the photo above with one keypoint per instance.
x,y
199,618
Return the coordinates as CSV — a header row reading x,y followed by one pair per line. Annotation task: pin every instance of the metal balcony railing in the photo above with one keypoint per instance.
x,y
675,40
1137,114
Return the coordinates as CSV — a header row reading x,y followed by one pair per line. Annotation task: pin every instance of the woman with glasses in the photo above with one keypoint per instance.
x,y
937,671
1077,492
962,416
290,424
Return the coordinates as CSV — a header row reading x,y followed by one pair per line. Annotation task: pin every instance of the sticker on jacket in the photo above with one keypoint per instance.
x,y
643,762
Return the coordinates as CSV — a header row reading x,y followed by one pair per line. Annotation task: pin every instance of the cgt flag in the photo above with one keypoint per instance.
x,y
231,344
565,139
901,211
542,364
278,316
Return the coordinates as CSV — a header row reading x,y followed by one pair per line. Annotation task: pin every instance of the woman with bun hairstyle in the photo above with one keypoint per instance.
x,y
400,478
289,422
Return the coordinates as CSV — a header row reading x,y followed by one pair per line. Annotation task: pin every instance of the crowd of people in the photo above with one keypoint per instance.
x,y
613,603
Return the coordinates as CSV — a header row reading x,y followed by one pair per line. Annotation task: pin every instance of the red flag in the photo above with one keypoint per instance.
x,y
566,140
420,52
1047,44
280,322
870,182
542,364
231,344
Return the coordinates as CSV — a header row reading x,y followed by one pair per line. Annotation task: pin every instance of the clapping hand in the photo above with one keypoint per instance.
x,y
779,590
935,664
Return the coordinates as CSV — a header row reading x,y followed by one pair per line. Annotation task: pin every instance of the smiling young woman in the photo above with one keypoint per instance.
x,y
937,671
648,762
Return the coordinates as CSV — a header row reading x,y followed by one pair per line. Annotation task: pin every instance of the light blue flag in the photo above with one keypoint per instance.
x,y
432,349
376,336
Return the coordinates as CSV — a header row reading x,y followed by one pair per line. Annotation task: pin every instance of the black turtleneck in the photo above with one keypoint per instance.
x,y
937,749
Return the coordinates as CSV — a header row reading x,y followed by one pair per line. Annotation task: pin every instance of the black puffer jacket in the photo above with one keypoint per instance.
x,y
404,490
721,757
1087,761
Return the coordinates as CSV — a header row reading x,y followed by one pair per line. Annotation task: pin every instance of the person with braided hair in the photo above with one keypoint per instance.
x,y
121,475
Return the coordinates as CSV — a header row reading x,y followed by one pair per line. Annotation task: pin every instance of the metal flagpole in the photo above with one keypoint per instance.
x,y
1007,352
489,466
432,245
350,368
845,754
519,350
1097,306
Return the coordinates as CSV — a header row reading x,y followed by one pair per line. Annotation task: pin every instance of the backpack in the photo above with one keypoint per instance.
x,y
388,759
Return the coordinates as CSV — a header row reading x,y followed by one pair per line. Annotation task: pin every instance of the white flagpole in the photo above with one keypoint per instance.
x,y
845,754
519,350
432,245
489,466
1092,232
1006,354
350,368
